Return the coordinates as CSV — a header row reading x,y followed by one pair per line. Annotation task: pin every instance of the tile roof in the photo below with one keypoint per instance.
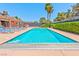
x,y
8,18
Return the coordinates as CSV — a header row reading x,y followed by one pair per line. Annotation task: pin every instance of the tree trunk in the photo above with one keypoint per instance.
x,y
47,16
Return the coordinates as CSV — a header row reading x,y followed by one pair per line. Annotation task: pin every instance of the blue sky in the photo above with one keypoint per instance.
x,y
33,11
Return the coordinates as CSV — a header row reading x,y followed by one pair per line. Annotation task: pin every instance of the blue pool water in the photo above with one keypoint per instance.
x,y
41,35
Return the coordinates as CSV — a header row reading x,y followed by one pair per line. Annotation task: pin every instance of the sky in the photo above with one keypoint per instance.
x,y
33,11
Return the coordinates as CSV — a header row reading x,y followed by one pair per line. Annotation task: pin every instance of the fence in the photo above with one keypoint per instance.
x,y
73,19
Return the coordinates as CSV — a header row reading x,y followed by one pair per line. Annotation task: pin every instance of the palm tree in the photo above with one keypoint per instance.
x,y
61,16
49,9
68,13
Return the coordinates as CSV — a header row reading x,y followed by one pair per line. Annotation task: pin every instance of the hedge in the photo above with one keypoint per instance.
x,y
45,25
67,26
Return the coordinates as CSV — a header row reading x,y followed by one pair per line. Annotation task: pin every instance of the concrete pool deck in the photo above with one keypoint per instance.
x,y
38,52
9,51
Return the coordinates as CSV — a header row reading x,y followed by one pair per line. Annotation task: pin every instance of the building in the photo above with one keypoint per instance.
x,y
75,9
8,21
70,16
31,24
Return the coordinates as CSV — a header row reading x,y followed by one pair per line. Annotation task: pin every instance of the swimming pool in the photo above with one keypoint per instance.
x,y
40,35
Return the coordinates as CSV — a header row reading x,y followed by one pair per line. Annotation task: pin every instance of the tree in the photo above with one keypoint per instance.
x,y
48,22
35,22
49,9
61,16
42,20
68,13
16,17
5,13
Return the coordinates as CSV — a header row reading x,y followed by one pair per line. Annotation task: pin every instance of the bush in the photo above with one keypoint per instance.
x,y
67,26
46,25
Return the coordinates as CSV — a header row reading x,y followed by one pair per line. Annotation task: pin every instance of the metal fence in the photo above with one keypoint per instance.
x,y
73,19
6,30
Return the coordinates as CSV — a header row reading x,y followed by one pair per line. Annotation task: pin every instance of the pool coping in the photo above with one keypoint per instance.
x,y
65,46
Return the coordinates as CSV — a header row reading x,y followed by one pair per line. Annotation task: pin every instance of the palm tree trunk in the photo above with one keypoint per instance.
x,y
47,16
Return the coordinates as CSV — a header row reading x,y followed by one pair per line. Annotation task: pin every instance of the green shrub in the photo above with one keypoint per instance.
x,y
45,25
67,26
